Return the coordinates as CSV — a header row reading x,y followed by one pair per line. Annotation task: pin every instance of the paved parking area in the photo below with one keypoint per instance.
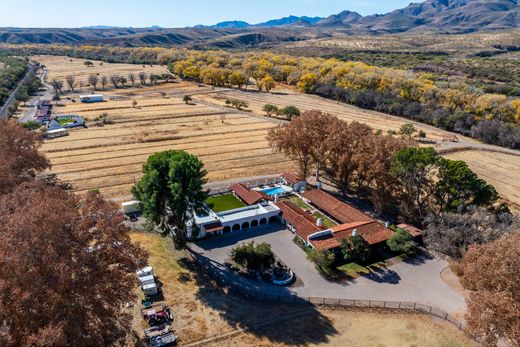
x,y
418,280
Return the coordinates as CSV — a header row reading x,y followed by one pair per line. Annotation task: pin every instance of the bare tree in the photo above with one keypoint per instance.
x,y
20,160
131,78
142,77
153,78
93,80
63,266
104,81
491,273
123,81
115,79
71,81
453,233
57,85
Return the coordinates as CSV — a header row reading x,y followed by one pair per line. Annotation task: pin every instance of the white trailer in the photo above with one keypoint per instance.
x,y
91,98
145,271
146,280
131,207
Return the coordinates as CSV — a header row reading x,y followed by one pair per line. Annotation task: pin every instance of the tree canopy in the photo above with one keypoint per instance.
x,y
491,273
67,268
171,190
254,257
20,159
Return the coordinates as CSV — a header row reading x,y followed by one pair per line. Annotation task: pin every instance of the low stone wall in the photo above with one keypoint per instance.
x,y
248,293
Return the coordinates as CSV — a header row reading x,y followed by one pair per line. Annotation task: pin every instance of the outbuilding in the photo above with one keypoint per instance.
x,y
91,98
294,181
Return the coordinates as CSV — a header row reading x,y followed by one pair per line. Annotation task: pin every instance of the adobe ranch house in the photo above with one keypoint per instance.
x,y
351,222
259,208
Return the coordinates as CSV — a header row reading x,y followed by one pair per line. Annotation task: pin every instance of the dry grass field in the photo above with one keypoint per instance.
x,y
501,170
204,310
60,67
284,97
110,157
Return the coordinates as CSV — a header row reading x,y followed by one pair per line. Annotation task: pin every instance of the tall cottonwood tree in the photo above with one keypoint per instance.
x,y
170,191
491,272
67,269
20,160
305,140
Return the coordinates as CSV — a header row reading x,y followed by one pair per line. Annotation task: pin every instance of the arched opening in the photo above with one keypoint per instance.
x,y
263,221
245,225
273,219
236,227
254,223
227,229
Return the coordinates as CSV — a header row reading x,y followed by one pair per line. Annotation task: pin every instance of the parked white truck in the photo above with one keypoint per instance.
x,y
131,207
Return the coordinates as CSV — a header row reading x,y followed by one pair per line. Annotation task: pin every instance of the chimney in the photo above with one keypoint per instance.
x,y
387,225
354,232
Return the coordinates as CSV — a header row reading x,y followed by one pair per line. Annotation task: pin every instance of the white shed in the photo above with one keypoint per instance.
x,y
91,98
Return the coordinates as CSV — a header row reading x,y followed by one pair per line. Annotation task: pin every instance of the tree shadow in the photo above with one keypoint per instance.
x,y
264,310
382,275
419,259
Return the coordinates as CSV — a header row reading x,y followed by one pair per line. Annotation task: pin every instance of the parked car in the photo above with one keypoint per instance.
x,y
163,340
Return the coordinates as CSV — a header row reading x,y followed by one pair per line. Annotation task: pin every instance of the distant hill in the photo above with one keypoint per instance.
x,y
285,21
430,16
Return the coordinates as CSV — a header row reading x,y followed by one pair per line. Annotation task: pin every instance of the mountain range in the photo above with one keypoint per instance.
x,y
285,21
430,16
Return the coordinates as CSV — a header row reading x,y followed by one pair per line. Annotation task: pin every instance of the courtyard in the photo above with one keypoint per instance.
x,y
412,280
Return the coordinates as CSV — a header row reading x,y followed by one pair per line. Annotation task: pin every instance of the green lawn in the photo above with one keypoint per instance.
x,y
327,222
64,120
225,202
298,202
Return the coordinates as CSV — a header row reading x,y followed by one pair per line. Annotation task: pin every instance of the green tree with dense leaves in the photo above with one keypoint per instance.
x,y
187,99
170,191
458,187
290,112
322,259
355,249
402,242
270,109
254,257
415,168
408,129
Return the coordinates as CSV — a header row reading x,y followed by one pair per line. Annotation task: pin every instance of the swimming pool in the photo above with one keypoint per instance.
x,y
275,191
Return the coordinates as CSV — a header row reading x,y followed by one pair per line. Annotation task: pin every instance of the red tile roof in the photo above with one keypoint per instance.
x,y
334,207
291,177
325,243
250,197
304,224
372,231
411,229
213,227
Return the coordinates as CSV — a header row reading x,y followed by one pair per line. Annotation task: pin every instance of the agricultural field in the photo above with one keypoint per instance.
x,y
143,120
499,169
204,310
284,97
59,67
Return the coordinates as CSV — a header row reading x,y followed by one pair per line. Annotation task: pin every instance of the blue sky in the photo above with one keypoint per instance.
x,y
173,13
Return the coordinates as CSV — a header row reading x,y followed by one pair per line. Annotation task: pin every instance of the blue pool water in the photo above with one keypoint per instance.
x,y
274,191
